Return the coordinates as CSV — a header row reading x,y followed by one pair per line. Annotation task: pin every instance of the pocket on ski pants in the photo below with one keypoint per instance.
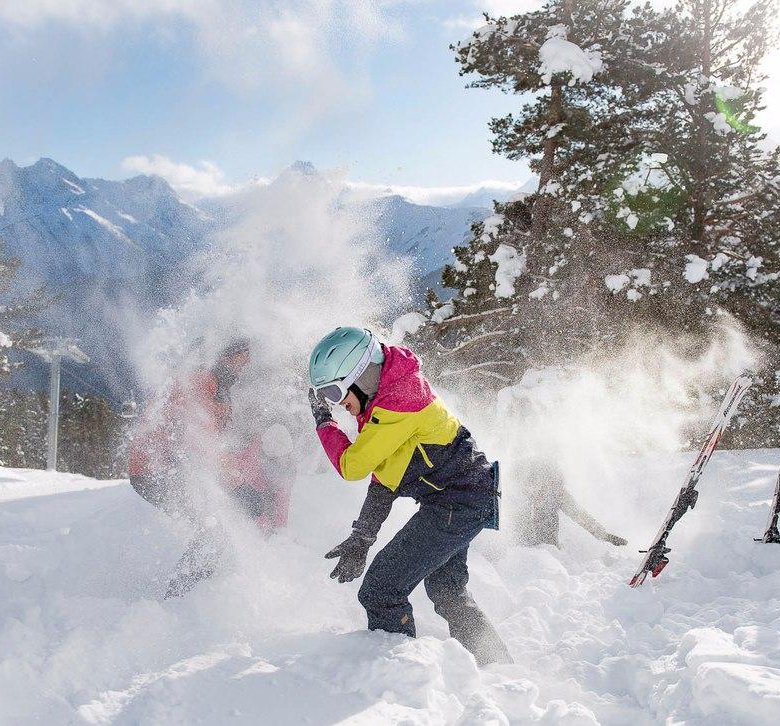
x,y
494,520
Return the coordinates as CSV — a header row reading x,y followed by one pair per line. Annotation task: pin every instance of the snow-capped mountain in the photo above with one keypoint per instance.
x,y
110,251
486,195
70,230
483,198
104,251
425,234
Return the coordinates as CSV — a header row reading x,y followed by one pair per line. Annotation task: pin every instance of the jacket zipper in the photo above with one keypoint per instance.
x,y
431,484
427,461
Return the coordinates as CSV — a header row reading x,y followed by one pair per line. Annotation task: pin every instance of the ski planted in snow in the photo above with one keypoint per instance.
x,y
656,558
772,534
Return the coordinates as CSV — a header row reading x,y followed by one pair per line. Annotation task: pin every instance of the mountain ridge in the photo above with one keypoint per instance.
x,y
104,247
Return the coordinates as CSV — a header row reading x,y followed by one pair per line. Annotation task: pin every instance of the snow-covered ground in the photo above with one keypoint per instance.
x,y
84,637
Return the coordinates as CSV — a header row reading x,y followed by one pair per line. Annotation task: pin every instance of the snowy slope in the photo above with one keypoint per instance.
x,y
84,639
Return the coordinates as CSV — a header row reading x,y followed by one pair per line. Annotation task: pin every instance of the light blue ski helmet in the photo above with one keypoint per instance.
x,y
344,353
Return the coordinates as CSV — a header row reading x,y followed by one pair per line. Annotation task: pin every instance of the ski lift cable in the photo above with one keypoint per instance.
x,y
83,382
128,408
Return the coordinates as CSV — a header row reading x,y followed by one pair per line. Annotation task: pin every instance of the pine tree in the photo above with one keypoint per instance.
x,y
703,191
23,416
657,205
536,254
90,435
16,312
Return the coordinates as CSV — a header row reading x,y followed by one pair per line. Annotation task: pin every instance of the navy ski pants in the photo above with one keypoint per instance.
x,y
432,548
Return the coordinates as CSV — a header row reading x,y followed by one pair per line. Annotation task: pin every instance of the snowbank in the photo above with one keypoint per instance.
x,y
85,639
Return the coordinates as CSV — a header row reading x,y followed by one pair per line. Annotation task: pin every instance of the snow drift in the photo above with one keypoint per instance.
x,y
84,637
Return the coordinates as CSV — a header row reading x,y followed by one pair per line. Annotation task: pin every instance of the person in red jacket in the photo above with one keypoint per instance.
x,y
182,437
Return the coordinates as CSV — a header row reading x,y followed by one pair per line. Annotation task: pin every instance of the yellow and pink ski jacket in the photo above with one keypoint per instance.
x,y
408,440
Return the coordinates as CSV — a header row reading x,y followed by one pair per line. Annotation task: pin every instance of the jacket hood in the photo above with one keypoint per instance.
x,y
402,386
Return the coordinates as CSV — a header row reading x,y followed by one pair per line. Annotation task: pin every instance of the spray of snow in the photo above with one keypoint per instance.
x,y
648,396
296,266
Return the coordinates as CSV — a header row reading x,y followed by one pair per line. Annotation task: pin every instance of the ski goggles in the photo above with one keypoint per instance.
x,y
336,391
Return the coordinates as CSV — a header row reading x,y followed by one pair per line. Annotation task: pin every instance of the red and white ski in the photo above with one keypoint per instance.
x,y
656,558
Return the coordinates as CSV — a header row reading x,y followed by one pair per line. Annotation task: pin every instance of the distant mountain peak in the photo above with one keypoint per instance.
x,y
150,182
306,168
49,166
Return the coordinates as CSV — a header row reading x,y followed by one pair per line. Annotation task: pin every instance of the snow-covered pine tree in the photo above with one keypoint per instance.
x,y
536,254
702,188
657,204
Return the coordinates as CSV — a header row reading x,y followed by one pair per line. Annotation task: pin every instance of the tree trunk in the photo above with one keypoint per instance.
x,y
541,210
543,204
700,198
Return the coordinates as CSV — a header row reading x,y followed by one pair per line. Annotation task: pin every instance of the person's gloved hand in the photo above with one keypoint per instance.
x,y
615,540
352,553
319,408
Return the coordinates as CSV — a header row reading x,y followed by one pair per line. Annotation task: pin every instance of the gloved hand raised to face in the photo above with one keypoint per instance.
x,y
352,553
320,408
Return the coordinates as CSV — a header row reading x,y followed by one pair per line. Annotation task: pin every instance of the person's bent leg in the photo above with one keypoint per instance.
x,y
150,487
416,551
446,587
200,560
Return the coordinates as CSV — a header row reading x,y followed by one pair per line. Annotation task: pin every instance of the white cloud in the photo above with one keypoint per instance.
x,y
507,8
494,8
309,50
464,22
205,180
435,195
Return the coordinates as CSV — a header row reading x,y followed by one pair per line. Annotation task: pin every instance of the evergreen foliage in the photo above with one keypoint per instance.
x,y
91,433
657,206
16,312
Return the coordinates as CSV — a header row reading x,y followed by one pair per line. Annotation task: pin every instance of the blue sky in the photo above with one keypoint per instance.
x,y
370,87
211,93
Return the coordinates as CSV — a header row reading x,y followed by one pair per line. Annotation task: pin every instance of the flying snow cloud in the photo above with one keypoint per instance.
x,y
293,267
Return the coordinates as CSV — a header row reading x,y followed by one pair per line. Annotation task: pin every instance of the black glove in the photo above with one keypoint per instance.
x,y
319,408
615,540
352,553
